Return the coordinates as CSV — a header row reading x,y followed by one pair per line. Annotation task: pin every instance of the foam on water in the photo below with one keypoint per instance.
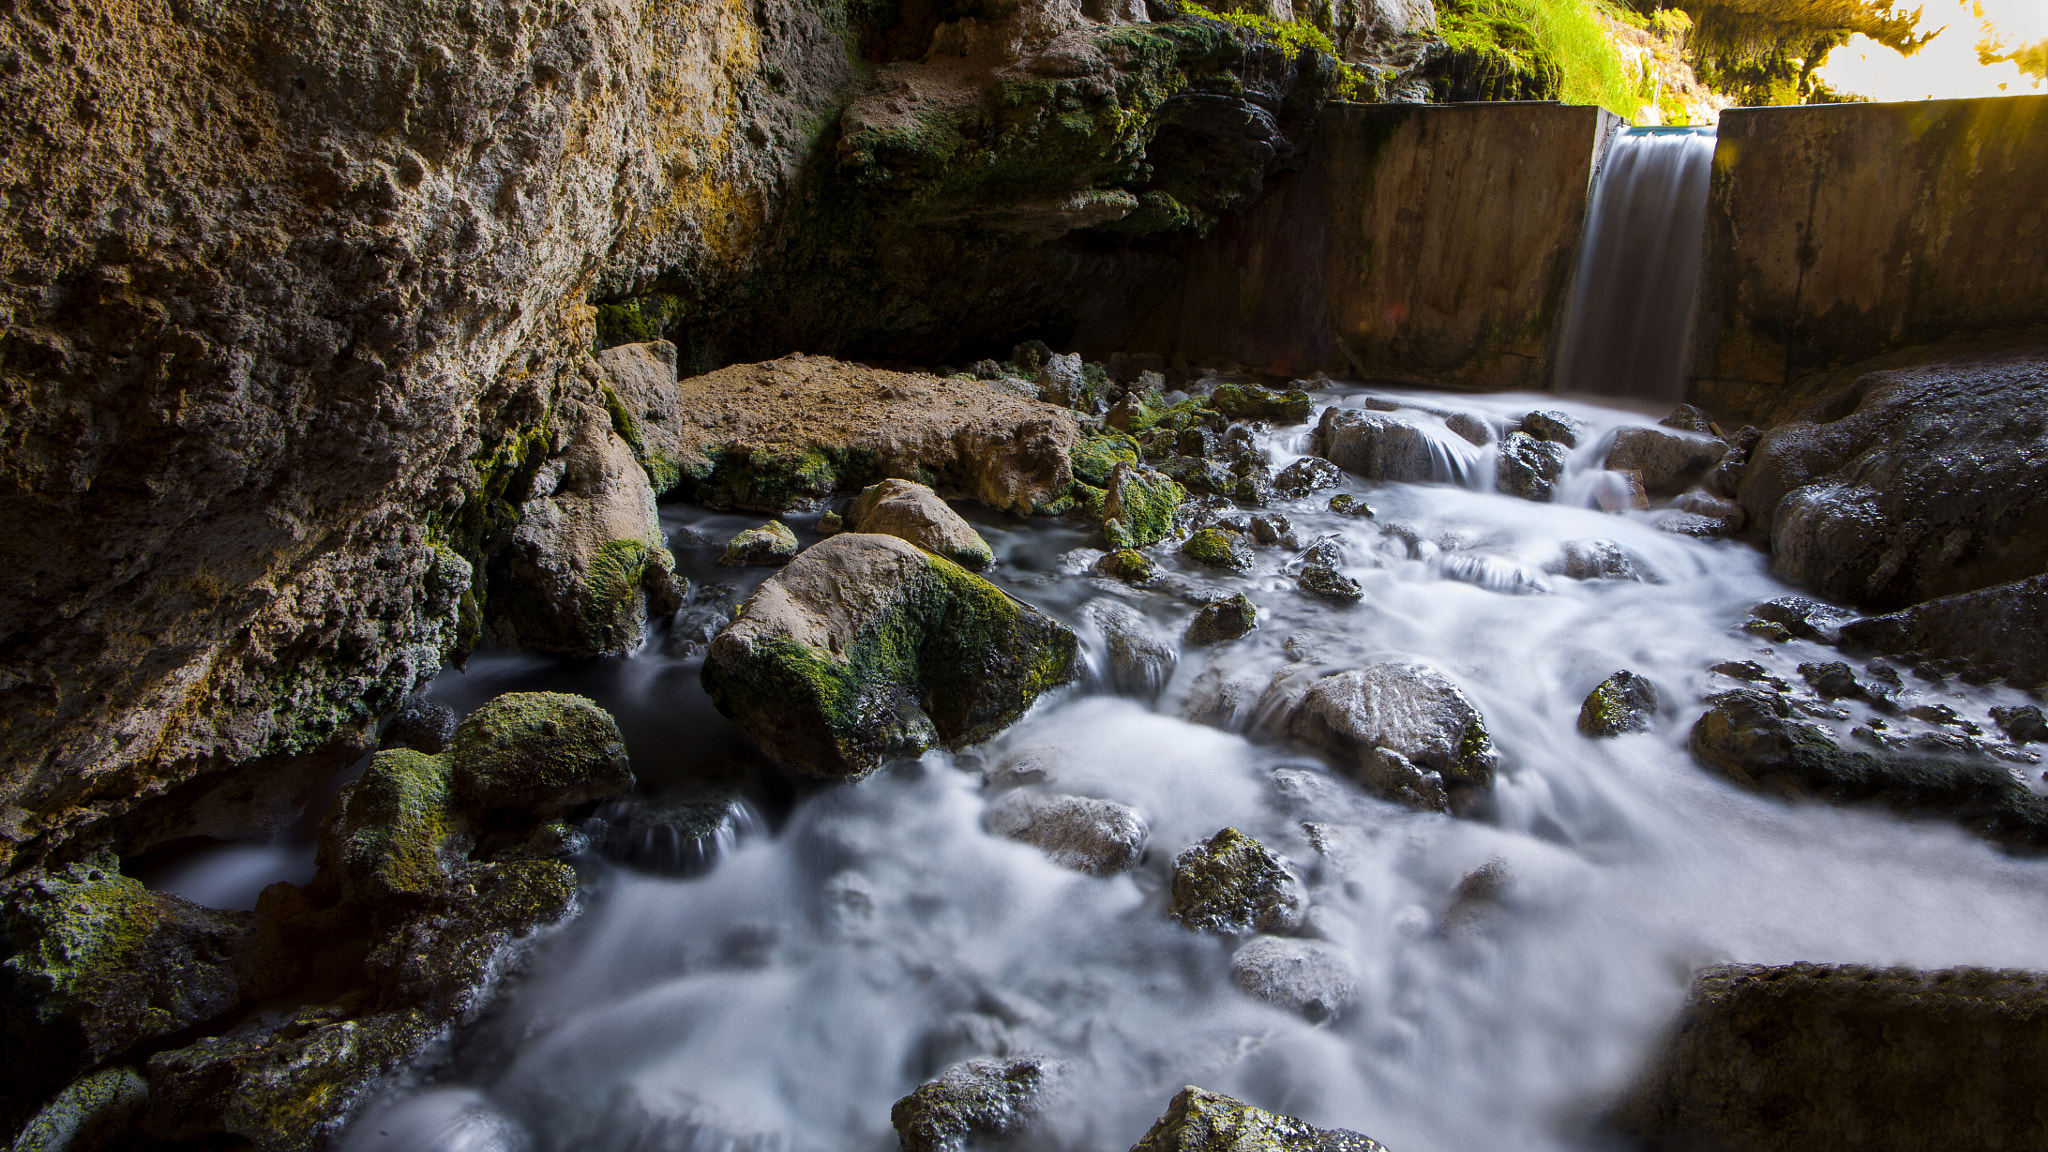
x,y
785,999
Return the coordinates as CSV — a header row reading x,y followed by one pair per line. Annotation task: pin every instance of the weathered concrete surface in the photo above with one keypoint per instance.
x,y
1839,232
1810,1057
1424,243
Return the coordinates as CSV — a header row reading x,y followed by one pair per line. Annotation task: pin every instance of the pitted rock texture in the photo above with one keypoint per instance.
x,y
915,513
1412,711
1234,886
1199,1121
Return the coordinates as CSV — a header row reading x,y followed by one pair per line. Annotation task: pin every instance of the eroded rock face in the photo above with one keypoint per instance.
x,y
1806,1057
1993,633
866,648
1199,1121
1910,484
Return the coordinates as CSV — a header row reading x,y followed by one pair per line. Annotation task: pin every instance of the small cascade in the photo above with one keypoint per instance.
x,y
1639,267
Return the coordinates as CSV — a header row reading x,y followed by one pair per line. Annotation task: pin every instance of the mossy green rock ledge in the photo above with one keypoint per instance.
x,y
866,648
1199,1121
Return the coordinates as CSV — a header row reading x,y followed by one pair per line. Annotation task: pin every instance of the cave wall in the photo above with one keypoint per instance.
x,y
1433,244
1841,232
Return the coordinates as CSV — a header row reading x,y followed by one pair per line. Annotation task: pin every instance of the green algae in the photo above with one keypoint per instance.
x,y
394,833
1219,548
537,752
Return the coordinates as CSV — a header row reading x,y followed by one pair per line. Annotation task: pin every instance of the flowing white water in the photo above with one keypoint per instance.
x,y
785,999
1639,267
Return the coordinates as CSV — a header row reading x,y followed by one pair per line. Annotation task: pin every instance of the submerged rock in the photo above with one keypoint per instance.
x,y
1624,702
1595,560
1235,886
990,1099
1669,461
1199,1121
1345,504
913,512
867,648
1325,582
1099,837
1140,662
1752,737
1374,446
1475,430
1306,976
771,543
1998,633
1528,467
1807,1057
1409,709
1223,620
1128,565
1306,475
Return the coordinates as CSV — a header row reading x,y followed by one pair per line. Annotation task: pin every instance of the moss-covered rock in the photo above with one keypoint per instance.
x,y
98,964
1141,503
1199,1121
1234,885
867,647
1098,454
1624,702
1127,565
771,543
1223,620
1251,402
93,1113
537,752
1219,548
975,1100
1324,582
1345,504
394,833
913,512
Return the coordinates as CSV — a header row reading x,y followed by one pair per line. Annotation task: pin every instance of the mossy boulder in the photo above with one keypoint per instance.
x,y
1234,885
1325,582
1127,565
771,543
98,964
541,753
913,512
993,1099
1251,402
1139,505
1199,1121
394,833
1624,702
1404,708
867,648
1223,620
1219,548
1098,454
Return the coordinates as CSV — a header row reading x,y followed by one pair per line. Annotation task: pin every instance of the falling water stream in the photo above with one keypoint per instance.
x,y
1639,267
860,938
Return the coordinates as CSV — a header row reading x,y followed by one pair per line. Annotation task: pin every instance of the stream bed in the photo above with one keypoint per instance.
x,y
777,986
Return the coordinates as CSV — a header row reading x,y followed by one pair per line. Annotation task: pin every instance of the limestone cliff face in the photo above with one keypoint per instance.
x,y
294,314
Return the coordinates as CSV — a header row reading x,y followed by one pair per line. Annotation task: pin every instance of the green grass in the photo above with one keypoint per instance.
x,y
1566,42
1293,37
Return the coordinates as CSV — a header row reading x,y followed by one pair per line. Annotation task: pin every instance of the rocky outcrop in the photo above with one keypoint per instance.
x,y
1199,1121
866,648
1805,1057
1910,484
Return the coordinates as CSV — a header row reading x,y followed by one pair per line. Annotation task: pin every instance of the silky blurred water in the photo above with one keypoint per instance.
x,y
874,933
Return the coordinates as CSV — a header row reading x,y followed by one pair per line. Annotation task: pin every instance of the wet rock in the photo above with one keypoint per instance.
x,y
1392,776
1235,886
1595,560
1750,671
1306,475
1374,446
1804,618
1910,485
696,626
683,836
95,1112
538,752
1555,427
1140,661
772,543
1199,1121
1624,702
1687,418
1222,620
991,1099
1620,491
1752,738
1811,1056
587,555
1478,899
1223,700
866,648
1345,504
1099,837
1669,461
1831,681
1710,515
1306,976
1472,428
1219,548
1252,402
1495,573
1991,634
1410,709
1127,565
99,964
1326,583
913,512
1274,530
419,724
1139,506
1528,467
1726,478
2022,723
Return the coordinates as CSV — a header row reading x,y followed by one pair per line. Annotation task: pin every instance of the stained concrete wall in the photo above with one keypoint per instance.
x,y
1836,233
1433,244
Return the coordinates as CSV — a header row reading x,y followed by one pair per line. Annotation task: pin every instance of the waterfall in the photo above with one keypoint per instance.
x,y
1639,267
